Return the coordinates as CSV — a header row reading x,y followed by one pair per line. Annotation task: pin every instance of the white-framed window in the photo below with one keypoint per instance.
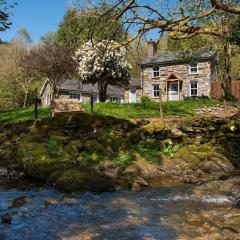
x,y
193,68
75,96
115,99
155,90
194,88
155,71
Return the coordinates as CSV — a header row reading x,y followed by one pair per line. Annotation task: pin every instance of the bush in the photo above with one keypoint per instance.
x,y
146,101
123,159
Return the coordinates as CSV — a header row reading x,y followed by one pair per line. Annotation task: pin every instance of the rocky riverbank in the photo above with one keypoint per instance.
x,y
84,152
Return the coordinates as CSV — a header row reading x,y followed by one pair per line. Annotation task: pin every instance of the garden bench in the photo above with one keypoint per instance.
x,y
60,106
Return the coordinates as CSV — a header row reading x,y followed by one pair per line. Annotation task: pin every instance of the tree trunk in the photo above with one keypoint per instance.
x,y
102,87
25,99
226,72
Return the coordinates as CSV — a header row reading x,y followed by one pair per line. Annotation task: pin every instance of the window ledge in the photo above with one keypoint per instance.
x,y
190,74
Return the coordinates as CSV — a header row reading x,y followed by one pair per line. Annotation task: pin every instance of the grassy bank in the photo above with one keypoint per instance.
x,y
22,114
124,111
137,110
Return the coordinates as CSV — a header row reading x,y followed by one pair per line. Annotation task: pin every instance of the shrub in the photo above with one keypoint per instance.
x,y
146,101
150,149
123,159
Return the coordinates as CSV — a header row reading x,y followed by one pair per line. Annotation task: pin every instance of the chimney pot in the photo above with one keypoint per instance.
x,y
152,48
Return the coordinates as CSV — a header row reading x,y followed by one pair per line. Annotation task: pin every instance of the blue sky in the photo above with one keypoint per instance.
x,y
37,16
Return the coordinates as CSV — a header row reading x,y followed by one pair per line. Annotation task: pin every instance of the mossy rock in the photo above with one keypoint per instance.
x,y
191,159
36,160
94,146
153,127
75,180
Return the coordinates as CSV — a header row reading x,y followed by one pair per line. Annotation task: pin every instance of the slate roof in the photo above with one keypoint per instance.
x,y
73,85
166,57
135,83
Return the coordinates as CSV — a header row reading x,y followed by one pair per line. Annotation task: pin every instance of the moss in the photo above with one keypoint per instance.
x,y
153,127
94,146
123,159
35,159
75,180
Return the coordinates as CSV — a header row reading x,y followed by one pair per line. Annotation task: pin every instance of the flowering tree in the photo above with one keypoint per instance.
x,y
99,62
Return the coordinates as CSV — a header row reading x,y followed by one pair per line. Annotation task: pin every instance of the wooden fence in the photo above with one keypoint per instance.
x,y
217,91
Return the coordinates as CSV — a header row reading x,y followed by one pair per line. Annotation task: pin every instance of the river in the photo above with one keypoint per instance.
x,y
162,213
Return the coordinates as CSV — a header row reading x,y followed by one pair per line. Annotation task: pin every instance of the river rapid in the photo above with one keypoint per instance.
x,y
162,213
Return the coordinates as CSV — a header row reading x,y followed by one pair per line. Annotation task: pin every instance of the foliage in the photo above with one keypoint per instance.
x,y
53,145
235,31
150,149
146,101
170,150
123,159
196,42
99,62
16,84
49,38
53,62
5,15
80,26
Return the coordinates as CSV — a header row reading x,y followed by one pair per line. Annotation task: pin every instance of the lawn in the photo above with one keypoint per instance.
x,y
125,111
186,108
22,114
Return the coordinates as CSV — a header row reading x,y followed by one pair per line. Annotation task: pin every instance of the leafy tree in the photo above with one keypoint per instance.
x,y
5,15
81,25
99,63
24,36
53,62
49,38
183,20
11,91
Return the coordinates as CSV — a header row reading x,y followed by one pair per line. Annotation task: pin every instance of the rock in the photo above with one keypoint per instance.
x,y
176,133
69,201
136,187
145,168
18,202
6,219
77,181
50,201
238,204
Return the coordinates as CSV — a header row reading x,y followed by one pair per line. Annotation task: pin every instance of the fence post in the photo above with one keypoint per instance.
x,y
91,101
160,104
36,104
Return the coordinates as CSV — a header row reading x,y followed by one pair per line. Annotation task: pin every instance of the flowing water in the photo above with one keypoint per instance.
x,y
159,213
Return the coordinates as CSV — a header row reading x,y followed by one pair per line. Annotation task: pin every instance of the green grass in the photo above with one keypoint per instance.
x,y
119,110
129,110
22,114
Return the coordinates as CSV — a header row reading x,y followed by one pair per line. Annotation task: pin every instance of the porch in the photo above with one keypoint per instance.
x,y
173,88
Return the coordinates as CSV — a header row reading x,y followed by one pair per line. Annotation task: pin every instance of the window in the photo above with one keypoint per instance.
x,y
156,71
156,90
193,68
115,99
193,88
75,96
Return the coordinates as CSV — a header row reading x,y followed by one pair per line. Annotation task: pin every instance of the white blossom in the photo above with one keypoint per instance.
x,y
99,61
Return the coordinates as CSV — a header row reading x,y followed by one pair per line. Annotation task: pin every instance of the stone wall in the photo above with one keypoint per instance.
x,y
204,77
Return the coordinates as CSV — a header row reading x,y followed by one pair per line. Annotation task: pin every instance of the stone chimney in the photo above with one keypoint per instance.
x,y
152,48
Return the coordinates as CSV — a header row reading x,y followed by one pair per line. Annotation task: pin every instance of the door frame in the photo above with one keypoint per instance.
x,y
130,95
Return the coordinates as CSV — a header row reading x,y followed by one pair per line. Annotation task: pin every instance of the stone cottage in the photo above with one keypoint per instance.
x,y
73,89
178,75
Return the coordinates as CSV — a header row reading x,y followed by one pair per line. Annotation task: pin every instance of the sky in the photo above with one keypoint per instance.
x,y
37,16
